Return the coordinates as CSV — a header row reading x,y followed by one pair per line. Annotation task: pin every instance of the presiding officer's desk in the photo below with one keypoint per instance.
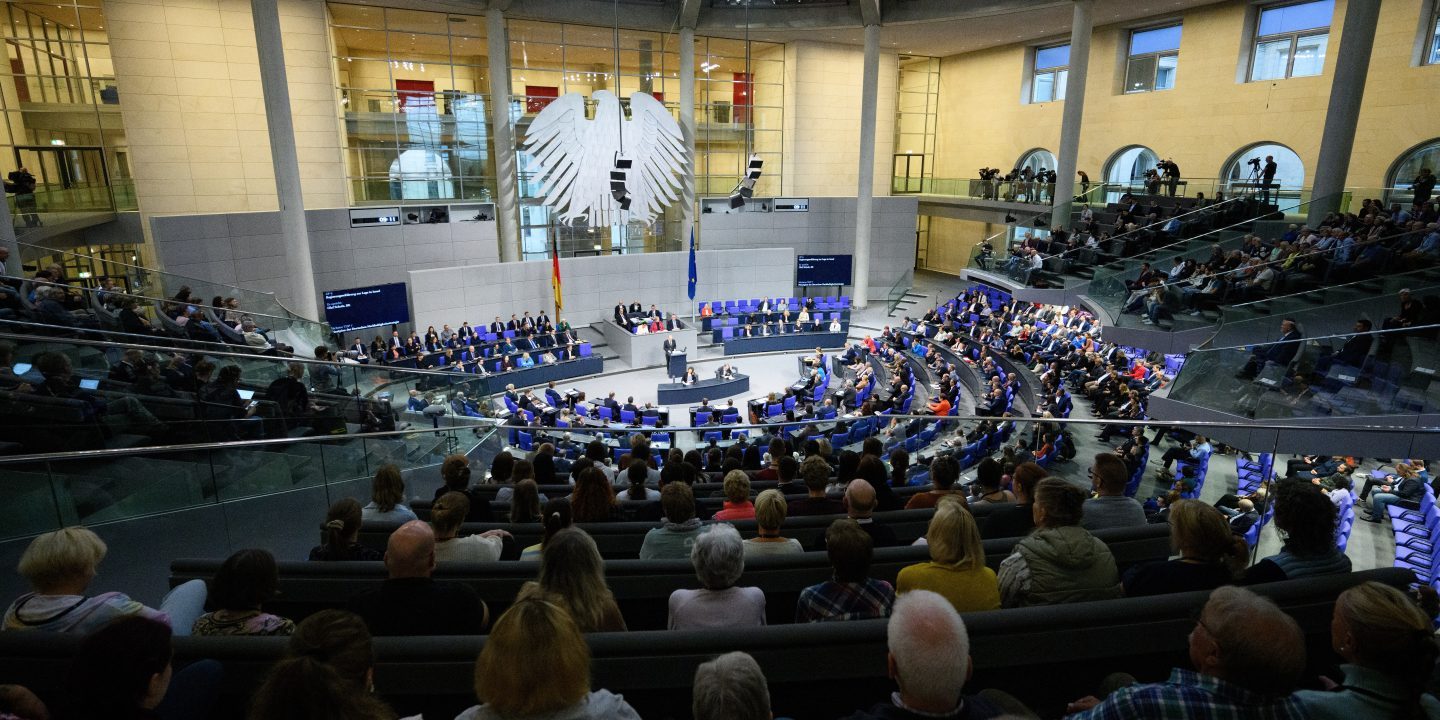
x,y
682,394
789,341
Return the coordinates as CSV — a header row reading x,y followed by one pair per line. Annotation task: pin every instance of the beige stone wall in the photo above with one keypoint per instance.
x,y
193,110
952,241
1206,118
822,119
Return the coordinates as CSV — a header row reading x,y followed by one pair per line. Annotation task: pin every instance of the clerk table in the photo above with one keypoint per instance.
x,y
682,394
789,341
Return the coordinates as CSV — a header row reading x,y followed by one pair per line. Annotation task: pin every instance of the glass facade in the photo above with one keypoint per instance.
x,y
414,90
917,110
61,109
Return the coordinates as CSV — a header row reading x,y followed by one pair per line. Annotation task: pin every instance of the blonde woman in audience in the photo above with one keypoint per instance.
x,y
446,515
957,569
572,574
1210,554
536,664
769,515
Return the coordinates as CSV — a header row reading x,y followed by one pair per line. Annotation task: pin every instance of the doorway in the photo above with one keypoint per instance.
x,y
67,177
909,174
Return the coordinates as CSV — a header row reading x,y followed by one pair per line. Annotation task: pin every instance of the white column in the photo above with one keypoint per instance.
x,y
864,195
506,194
687,129
1347,88
276,88
1073,117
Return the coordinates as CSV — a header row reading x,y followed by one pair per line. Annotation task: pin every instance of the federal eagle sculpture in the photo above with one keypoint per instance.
x,y
576,156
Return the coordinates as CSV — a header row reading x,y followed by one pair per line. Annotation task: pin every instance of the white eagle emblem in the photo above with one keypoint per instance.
x,y
576,157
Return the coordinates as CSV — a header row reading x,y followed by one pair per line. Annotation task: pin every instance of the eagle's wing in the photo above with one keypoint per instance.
x,y
573,175
653,141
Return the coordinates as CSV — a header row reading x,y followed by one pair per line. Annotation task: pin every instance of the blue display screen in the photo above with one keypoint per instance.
x,y
367,307
815,270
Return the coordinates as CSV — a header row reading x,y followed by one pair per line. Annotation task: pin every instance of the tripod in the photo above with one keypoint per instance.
x,y
1252,183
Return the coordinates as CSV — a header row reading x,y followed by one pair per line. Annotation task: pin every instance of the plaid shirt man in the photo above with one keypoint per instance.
x,y
1189,695
833,600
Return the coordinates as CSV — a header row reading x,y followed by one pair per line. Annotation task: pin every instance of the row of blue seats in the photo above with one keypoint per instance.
x,y
733,307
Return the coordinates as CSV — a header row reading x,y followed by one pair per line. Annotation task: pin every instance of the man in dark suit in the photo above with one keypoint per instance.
x,y
654,314
611,403
1280,352
629,405
620,314
635,307
669,346
1357,348
513,324
497,327
859,504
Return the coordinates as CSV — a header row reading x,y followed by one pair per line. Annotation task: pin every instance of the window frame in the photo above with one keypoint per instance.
x,y
1430,51
1294,37
1057,89
1156,56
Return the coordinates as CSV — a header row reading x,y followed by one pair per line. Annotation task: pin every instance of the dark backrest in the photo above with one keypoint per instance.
x,y
1045,655
642,587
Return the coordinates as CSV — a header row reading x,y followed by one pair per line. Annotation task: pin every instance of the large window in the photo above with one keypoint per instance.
x,y
1290,40
1154,58
1052,69
1432,45
1241,175
1405,171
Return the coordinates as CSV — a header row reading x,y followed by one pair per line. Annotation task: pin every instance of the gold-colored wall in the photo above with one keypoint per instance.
x,y
1207,117
822,119
193,109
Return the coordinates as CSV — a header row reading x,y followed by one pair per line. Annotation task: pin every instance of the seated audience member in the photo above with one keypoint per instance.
x,y
326,673
1248,656
1387,644
787,474
1210,554
872,470
769,515
1019,519
123,670
572,574
242,585
525,503
19,703
944,471
536,664
859,506
1110,508
342,534
446,515
1404,488
455,472
719,560
815,472
737,505
410,602
676,535
956,570
387,497
59,567
929,661
594,498
988,475
1060,561
637,474
520,471
1307,519
557,517
851,594
731,687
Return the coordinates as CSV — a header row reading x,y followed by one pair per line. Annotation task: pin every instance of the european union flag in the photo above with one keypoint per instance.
x,y
694,274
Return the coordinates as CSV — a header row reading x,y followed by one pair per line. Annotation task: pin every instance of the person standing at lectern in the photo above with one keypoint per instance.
x,y
669,347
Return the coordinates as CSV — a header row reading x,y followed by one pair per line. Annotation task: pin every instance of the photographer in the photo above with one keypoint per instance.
x,y
1267,176
1171,171
1152,182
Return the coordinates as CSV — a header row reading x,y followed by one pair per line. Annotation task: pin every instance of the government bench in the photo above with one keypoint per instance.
x,y
1045,655
642,587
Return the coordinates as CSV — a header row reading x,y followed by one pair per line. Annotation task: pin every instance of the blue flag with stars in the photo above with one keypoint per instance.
x,y
694,274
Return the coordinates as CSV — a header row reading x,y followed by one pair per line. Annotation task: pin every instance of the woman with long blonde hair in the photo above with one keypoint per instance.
x,y
957,569
572,573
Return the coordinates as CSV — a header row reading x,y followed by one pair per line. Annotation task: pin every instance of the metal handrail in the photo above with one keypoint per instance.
x,y
1317,338
494,425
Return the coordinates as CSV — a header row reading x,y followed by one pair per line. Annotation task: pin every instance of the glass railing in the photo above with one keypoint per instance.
x,y
1097,192
896,293
81,394
1389,372
297,331
996,252
157,504
1109,286
1331,311
998,189
1330,295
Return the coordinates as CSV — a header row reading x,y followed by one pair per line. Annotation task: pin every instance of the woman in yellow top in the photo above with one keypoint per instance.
x,y
957,568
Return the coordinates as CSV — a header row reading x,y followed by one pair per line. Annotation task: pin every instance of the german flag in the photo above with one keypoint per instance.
x,y
555,277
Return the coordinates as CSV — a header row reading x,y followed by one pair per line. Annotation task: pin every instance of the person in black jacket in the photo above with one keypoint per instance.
x,y
410,602
455,471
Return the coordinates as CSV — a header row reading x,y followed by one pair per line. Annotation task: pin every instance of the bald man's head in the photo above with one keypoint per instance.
x,y
411,550
859,499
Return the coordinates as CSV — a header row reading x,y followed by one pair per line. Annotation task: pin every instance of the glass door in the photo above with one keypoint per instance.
x,y
908,175
68,178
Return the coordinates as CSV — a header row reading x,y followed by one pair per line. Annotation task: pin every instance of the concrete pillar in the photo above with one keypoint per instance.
x,y
503,134
687,129
276,88
1347,88
13,266
865,192
1074,113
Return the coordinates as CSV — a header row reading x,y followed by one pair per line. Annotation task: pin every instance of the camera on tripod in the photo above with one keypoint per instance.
x,y
1253,162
